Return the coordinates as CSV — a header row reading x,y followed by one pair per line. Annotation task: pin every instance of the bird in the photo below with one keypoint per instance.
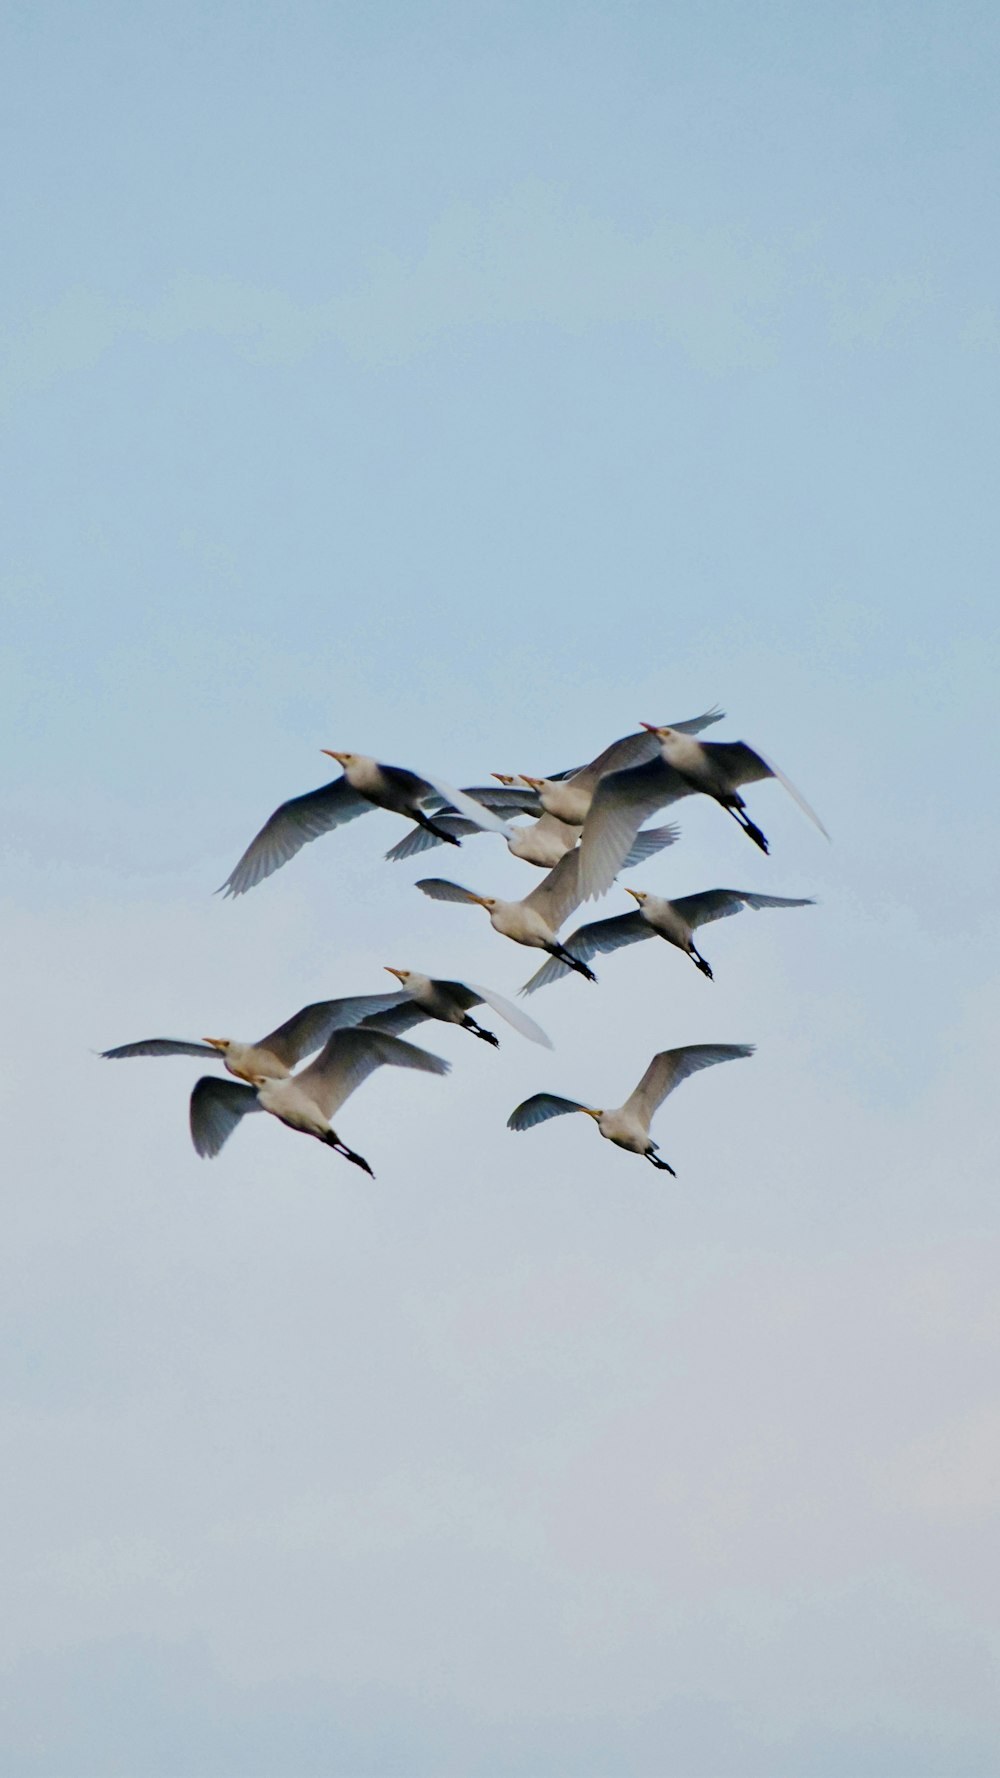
x,y
628,1126
654,917
541,842
308,1100
280,1051
364,785
536,919
683,766
568,795
427,997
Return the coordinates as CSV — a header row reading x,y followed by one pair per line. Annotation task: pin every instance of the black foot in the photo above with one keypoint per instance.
x,y
701,964
440,833
755,834
664,1166
477,1031
572,962
341,1148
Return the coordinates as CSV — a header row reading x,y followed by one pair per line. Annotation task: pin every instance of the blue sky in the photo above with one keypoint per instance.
x,y
463,384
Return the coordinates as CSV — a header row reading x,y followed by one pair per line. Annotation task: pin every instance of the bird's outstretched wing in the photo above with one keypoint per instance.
x,y
348,1057
588,941
621,804
402,1016
745,766
633,750
539,1108
439,889
558,893
301,819
305,1031
216,1108
507,1010
717,904
160,1046
420,838
469,807
670,1067
650,841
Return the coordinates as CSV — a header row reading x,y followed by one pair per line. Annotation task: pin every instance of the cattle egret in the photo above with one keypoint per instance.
x,y
424,997
277,1053
535,920
628,1126
542,842
683,767
675,921
568,795
306,1101
365,785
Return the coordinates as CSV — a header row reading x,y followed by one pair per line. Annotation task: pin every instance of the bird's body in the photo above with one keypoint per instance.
x,y
676,921
536,920
627,1126
429,997
568,796
280,1051
306,1101
366,784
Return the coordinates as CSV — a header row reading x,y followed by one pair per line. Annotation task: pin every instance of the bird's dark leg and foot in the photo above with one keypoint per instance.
x,y
572,962
440,833
478,1031
701,963
739,814
333,1141
664,1166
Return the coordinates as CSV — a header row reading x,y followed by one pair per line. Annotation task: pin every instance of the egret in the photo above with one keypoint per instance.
x,y
568,795
682,767
365,785
425,997
277,1053
541,842
533,921
676,921
306,1101
628,1126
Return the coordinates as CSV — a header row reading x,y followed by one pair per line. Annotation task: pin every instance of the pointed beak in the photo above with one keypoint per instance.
x,y
217,1043
502,777
591,1112
339,757
636,893
398,973
651,726
534,782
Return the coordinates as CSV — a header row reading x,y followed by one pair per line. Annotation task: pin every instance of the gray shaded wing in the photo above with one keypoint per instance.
x,y
469,807
634,750
650,841
513,1014
160,1046
348,1057
508,799
558,892
695,724
621,804
670,1067
305,1031
439,889
216,1108
398,1019
717,904
538,1109
301,819
739,762
419,839
587,941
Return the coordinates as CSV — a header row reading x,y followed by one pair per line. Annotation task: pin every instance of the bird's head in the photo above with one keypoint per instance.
x,y
639,894
488,902
402,975
343,759
662,734
222,1044
536,783
504,778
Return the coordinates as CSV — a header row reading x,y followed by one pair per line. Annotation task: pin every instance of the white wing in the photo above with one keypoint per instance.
x,y
650,841
670,1067
293,823
558,893
217,1106
621,804
746,765
717,904
419,839
587,941
513,1014
538,1109
473,811
349,1057
306,1030
796,796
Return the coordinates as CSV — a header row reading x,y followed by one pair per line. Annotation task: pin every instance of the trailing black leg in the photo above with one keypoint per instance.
x,y
664,1166
478,1031
701,963
333,1141
752,832
440,833
571,962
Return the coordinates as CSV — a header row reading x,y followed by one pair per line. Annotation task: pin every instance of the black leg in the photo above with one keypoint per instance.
x,y
739,814
440,833
333,1141
700,963
572,962
477,1031
664,1166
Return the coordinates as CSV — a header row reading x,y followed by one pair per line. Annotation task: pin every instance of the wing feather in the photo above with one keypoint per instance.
x,y
538,1109
307,1030
292,825
558,893
160,1046
621,804
718,904
588,941
439,889
670,1067
217,1106
348,1057
513,1014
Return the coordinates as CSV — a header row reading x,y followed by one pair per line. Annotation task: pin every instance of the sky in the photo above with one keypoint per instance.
x,y
464,384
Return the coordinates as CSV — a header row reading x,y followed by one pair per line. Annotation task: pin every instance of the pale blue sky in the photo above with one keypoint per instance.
x,y
463,384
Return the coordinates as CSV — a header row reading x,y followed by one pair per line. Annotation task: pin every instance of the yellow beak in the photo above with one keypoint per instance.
x,y
590,1112
637,893
398,973
535,783
339,757
651,726
217,1043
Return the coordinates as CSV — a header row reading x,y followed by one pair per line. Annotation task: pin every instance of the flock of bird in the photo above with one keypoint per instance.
x,y
584,826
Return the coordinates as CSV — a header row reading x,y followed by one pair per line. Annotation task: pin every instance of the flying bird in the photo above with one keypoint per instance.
x,y
568,795
277,1053
426,997
533,921
681,767
541,842
306,1101
628,1126
365,785
676,921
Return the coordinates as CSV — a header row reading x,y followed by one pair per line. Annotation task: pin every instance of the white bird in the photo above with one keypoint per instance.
x,y
533,921
428,997
277,1053
568,795
306,1101
541,842
676,921
365,785
682,767
628,1126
